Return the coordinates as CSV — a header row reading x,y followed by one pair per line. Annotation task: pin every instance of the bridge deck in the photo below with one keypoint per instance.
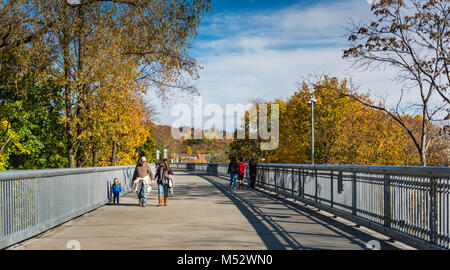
x,y
205,214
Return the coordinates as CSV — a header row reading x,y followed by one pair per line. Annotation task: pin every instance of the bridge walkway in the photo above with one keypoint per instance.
x,y
205,214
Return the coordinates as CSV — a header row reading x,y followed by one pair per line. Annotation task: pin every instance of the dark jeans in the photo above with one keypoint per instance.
x,y
252,181
116,197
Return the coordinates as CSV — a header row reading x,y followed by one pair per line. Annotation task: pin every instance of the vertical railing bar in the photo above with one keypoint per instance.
x,y
433,210
7,207
331,190
15,206
299,183
387,200
354,212
316,184
21,201
447,207
292,181
11,207
275,179
2,217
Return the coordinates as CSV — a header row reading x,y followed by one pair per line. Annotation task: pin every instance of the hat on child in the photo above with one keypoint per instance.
x,y
143,159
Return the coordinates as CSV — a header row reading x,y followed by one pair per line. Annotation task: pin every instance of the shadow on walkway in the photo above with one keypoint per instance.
x,y
254,205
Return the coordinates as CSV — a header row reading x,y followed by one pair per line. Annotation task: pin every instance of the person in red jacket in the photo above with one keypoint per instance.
x,y
241,173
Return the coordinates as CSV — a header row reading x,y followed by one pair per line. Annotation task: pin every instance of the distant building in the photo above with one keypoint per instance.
x,y
190,158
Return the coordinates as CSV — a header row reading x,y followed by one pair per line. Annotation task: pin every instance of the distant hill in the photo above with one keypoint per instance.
x,y
209,144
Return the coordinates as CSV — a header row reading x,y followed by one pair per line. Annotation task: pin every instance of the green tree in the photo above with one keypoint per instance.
x,y
32,112
139,42
148,149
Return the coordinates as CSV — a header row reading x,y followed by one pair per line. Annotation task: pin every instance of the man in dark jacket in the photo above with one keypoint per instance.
x,y
233,170
253,166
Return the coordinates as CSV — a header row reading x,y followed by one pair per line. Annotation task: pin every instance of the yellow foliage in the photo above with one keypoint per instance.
x,y
346,132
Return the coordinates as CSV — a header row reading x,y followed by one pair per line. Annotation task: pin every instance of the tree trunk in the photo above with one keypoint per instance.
x,y
423,152
68,103
94,157
81,93
67,90
80,155
114,153
70,146
94,152
80,143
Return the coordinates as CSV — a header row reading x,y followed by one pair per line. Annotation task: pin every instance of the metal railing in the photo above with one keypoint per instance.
x,y
409,204
33,201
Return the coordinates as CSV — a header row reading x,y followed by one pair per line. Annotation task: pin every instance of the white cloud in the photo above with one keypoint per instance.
x,y
265,54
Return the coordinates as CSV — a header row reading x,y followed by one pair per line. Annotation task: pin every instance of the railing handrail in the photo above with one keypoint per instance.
x,y
26,174
402,170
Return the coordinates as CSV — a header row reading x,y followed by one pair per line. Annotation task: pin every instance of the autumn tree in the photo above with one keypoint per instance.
x,y
346,131
413,36
295,124
252,129
143,43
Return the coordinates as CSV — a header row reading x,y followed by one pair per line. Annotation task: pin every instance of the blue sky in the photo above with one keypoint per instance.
x,y
263,48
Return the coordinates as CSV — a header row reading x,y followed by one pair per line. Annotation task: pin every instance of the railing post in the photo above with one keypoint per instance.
x,y
292,181
340,182
433,210
266,179
331,190
354,194
275,179
387,201
316,186
299,183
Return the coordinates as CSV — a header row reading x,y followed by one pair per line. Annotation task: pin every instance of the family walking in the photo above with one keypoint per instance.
x,y
143,178
236,170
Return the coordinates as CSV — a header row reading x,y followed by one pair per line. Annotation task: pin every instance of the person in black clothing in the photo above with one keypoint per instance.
x,y
252,166
233,170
